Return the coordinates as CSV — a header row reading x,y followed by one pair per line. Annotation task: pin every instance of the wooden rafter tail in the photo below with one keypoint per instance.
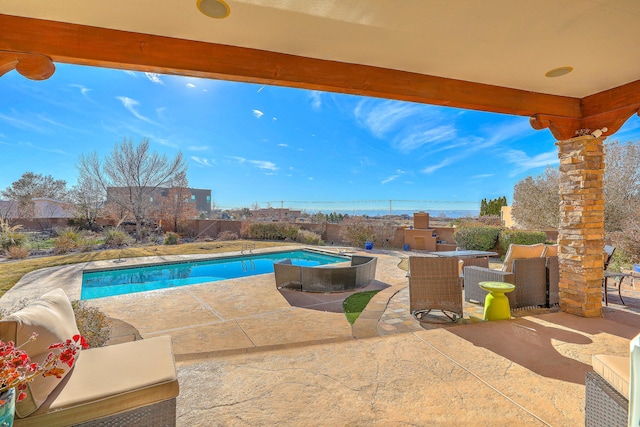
x,y
30,65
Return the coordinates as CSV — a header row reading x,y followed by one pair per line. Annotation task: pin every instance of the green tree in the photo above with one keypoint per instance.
x,y
32,185
493,206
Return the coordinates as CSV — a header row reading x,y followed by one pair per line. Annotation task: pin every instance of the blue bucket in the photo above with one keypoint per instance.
x,y
368,245
406,247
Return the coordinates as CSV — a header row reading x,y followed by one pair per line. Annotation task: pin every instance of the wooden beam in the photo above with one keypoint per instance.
x,y
85,45
29,45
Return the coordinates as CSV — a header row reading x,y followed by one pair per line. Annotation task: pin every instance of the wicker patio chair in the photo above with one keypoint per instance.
x,y
529,275
466,262
434,284
553,281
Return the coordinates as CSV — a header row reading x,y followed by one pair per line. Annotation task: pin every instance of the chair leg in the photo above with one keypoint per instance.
x,y
620,289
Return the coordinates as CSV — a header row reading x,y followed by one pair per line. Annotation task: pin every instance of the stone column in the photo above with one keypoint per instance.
x,y
581,230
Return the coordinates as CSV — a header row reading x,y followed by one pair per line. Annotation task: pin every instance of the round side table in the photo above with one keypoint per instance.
x,y
496,304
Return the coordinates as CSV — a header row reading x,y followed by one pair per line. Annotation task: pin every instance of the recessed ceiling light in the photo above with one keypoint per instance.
x,y
557,72
213,8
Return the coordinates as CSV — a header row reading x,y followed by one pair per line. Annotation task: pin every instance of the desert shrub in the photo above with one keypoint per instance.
x,y
64,245
69,233
10,235
227,235
520,238
309,238
93,324
87,244
494,220
17,252
477,238
272,231
115,238
171,238
357,233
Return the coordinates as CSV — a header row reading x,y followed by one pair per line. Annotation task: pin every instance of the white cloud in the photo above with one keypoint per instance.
x,y
418,138
131,73
407,126
399,172
431,169
198,147
190,85
167,143
260,164
47,150
505,131
201,161
131,105
20,124
382,117
316,99
523,163
391,178
264,164
83,90
155,78
258,113
283,145
482,176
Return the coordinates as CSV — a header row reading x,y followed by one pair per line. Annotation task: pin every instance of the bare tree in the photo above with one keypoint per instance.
x,y
177,205
8,211
32,185
536,201
89,200
621,184
130,175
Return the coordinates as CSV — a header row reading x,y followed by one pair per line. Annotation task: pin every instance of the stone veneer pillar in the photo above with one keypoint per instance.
x,y
581,229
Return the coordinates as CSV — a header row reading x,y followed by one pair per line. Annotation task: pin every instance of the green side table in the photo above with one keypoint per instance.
x,y
496,304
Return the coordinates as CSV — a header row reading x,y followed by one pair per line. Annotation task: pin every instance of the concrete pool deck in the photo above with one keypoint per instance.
x,y
246,356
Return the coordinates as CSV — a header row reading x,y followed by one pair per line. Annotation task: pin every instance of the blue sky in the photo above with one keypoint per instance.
x,y
262,144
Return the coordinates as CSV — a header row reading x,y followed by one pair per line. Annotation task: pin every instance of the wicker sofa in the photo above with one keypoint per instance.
x,y
358,274
534,274
133,383
607,392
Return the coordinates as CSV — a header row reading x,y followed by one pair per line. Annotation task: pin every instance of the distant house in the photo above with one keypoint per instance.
x,y
201,197
50,208
505,216
275,215
8,209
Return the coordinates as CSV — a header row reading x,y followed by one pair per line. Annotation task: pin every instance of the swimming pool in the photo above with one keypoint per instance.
x,y
105,283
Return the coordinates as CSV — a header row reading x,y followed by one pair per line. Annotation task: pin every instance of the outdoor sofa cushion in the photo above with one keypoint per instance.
x,y
614,369
52,318
109,380
550,250
519,252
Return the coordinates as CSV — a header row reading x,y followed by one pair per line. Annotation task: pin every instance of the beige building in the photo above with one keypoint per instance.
x,y
507,219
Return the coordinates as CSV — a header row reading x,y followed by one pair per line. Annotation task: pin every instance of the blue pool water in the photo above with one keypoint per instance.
x,y
98,284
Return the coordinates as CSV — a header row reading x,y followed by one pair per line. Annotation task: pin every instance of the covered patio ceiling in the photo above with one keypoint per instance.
x,y
489,56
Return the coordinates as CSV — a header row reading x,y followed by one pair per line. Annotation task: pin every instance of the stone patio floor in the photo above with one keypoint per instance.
x,y
250,355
